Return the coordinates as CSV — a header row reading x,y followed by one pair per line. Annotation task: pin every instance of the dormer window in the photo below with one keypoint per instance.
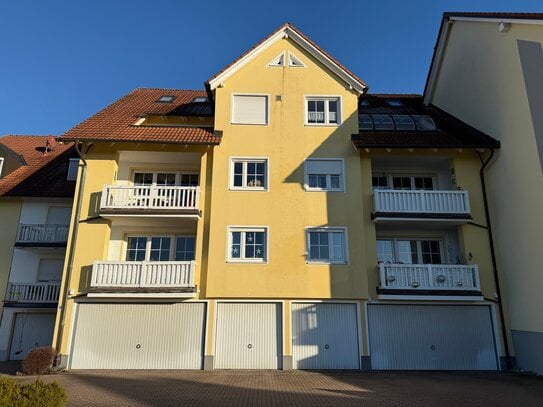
x,y
166,99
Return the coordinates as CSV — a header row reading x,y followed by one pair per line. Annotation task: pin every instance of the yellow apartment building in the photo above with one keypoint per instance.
x,y
281,218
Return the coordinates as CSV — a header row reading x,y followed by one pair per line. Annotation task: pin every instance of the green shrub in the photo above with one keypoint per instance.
x,y
38,361
37,394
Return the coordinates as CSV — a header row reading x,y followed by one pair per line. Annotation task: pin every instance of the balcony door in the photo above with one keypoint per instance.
x,y
169,179
404,182
160,248
410,251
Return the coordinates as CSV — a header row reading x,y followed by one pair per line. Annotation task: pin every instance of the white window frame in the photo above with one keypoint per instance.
x,y
178,175
328,187
1,165
291,63
242,259
327,229
232,107
326,99
418,239
172,237
246,160
390,179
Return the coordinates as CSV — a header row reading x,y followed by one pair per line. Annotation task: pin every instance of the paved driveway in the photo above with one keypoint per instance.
x,y
297,388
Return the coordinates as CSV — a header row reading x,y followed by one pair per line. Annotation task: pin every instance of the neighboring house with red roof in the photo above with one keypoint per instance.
x,y
281,218
37,181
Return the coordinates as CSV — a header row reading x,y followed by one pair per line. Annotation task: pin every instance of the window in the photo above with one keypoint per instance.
x,y
1,165
394,102
166,178
160,248
409,251
294,61
73,167
166,99
249,109
322,110
279,60
250,174
426,182
199,99
247,245
326,245
50,269
324,175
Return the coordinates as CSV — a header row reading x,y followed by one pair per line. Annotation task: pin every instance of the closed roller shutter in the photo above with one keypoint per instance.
x,y
431,337
138,336
324,336
248,336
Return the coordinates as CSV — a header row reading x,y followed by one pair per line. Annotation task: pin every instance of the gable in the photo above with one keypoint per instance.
x,y
287,31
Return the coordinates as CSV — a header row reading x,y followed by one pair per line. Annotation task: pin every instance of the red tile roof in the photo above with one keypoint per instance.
x,y
289,25
32,149
115,123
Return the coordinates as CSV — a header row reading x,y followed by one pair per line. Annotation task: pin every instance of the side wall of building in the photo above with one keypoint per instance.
x,y
484,80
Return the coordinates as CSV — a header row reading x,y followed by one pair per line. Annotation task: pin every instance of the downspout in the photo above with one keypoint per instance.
x,y
68,277
508,363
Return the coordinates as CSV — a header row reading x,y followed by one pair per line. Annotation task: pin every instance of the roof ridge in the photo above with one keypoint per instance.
x,y
174,89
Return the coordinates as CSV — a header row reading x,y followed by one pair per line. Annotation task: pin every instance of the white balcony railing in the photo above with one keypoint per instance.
x,y
143,274
150,197
445,277
421,201
33,292
41,233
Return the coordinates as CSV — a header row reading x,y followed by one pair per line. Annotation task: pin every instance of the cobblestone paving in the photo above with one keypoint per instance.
x,y
297,388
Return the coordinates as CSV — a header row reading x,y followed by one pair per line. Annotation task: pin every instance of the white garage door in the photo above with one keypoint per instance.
x,y
324,336
431,337
248,336
31,330
138,336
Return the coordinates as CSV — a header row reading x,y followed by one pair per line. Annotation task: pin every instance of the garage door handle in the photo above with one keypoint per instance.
x,y
249,346
433,347
138,346
326,346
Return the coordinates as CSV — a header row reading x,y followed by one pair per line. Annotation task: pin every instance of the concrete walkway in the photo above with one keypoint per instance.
x,y
296,388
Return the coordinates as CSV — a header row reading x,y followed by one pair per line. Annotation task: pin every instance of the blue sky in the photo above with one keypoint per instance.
x,y
62,61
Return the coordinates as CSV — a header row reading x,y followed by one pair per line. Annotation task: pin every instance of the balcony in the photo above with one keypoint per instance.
x,y
150,200
448,279
41,235
133,277
36,293
402,204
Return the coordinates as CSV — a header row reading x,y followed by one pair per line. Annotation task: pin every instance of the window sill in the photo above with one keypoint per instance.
x,y
322,262
241,261
308,189
248,189
322,124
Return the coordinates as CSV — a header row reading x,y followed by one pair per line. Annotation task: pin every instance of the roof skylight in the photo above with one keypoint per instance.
x,y
199,99
166,99
394,102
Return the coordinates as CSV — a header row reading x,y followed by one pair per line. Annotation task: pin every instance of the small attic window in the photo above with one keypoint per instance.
x,y
294,61
166,99
199,99
394,103
279,60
